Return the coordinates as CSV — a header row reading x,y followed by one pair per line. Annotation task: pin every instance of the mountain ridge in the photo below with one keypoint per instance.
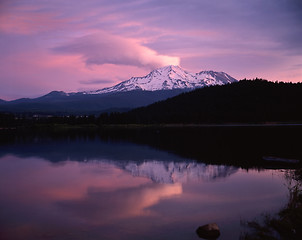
x,y
169,78
156,80
158,85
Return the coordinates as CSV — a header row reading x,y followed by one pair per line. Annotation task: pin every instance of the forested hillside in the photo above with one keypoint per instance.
x,y
246,101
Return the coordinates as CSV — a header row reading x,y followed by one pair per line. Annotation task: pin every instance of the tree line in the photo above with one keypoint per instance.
x,y
246,101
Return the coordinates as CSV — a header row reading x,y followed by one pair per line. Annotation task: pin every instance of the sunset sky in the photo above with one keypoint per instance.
x,y
76,45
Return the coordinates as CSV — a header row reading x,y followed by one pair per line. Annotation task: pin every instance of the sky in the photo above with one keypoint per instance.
x,y
76,45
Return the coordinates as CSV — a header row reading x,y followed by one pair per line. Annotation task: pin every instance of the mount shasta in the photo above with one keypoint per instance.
x,y
169,78
158,85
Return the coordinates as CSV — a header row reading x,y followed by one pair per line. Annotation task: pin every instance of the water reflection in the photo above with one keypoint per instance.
x,y
43,200
93,189
179,172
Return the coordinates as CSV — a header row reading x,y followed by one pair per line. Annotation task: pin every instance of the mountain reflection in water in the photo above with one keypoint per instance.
x,y
170,172
94,189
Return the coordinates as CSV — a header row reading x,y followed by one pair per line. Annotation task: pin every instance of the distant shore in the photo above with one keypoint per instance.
x,y
163,125
171,125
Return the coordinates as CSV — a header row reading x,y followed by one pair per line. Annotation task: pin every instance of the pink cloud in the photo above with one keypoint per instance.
x,y
27,20
115,40
34,73
103,48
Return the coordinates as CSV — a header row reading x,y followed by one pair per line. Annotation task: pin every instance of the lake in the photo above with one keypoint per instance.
x,y
134,185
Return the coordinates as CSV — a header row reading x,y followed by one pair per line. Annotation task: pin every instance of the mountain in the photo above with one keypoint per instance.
x,y
169,78
158,85
85,104
244,101
55,94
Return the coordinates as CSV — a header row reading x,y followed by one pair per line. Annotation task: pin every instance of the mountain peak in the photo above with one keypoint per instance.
x,y
55,94
168,68
169,78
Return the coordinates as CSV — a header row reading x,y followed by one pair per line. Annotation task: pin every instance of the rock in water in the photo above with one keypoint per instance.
x,y
208,231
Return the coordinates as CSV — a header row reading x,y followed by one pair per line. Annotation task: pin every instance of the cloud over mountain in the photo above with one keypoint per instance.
x,y
95,81
103,48
64,45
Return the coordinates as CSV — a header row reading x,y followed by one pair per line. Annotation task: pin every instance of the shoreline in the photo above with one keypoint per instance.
x,y
137,126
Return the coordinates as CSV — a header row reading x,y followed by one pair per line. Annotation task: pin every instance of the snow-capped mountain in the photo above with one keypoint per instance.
x,y
158,85
169,78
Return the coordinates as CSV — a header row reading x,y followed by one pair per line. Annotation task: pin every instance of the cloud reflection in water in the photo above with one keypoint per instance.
x,y
106,199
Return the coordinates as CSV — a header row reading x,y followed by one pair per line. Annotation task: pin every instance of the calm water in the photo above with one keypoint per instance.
x,y
93,188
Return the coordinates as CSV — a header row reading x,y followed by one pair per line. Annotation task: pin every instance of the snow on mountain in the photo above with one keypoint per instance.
x,y
169,78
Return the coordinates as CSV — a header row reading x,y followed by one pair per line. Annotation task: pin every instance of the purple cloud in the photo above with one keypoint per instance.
x,y
60,44
103,48
96,81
